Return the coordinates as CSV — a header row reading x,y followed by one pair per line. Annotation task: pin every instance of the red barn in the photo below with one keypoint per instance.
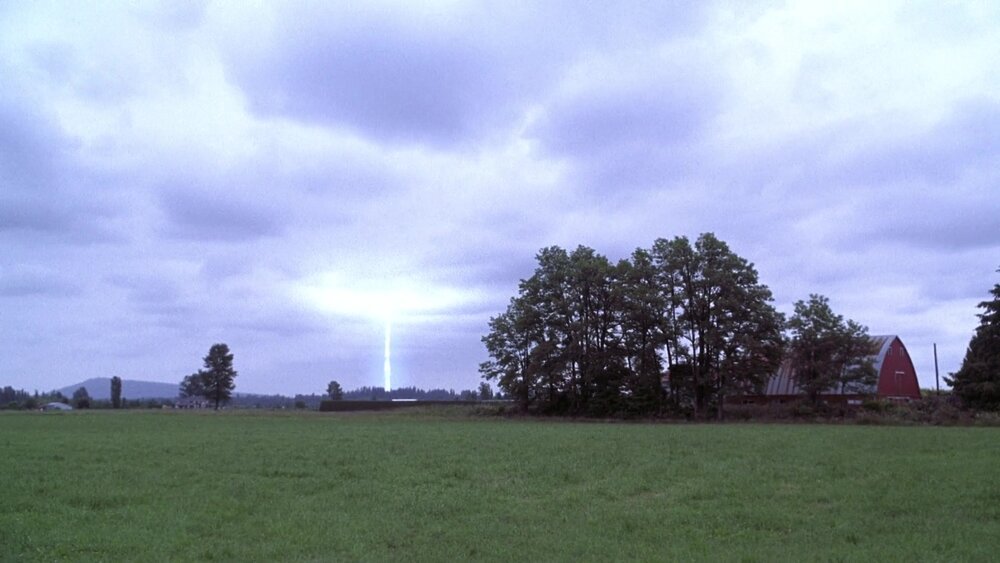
x,y
897,379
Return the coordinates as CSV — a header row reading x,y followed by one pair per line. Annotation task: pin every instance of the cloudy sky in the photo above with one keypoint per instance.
x,y
280,177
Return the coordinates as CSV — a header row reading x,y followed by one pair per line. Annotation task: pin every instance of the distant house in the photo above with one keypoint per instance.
x,y
897,379
56,407
192,403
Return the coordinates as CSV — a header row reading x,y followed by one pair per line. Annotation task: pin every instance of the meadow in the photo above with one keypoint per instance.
x,y
427,486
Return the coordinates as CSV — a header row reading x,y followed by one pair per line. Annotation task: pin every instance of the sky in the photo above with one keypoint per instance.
x,y
285,176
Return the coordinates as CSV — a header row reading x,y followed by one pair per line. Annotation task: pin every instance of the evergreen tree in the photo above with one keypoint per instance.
x,y
334,390
116,392
977,382
218,375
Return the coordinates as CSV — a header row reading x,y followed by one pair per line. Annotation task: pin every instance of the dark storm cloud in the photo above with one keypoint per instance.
x,y
282,321
101,79
62,221
33,150
380,76
158,296
864,183
633,128
404,75
943,220
173,16
45,189
18,284
968,139
222,266
217,217
611,119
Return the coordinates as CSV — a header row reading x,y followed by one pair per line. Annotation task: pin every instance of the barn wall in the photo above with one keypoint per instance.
x,y
898,378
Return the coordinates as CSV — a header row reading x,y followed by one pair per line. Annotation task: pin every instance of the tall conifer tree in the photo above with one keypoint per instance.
x,y
977,383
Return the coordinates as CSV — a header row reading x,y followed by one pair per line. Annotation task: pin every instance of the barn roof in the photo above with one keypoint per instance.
x,y
783,382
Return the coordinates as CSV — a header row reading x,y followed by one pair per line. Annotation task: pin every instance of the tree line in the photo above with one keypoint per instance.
x,y
678,327
19,399
366,393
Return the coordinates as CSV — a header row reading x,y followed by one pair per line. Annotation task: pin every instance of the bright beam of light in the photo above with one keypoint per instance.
x,y
387,366
407,301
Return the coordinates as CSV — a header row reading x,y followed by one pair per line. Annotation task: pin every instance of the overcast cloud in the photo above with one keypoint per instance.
x,y
279,177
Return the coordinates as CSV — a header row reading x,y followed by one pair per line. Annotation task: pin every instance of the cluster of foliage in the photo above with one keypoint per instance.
x,y
379,394
334,391
932,409
586,336
829,352
15,399
81,398
977,382
216,381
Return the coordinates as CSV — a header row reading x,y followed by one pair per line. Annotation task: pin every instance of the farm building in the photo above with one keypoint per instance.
x,y
192,403
897,379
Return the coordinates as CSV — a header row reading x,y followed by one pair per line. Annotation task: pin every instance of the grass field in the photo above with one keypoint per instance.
x,y
404,486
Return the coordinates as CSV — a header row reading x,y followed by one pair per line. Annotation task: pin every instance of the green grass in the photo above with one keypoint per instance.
x,y
250,486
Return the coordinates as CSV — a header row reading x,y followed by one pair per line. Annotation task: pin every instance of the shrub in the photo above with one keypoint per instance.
x,y
877,406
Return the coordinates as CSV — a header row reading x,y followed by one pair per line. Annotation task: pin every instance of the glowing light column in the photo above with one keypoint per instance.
x,y
387,366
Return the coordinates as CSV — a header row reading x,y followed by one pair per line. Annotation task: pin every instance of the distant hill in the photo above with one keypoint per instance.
x,y
99,388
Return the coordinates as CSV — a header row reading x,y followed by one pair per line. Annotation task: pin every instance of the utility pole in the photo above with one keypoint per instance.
x,y
937,379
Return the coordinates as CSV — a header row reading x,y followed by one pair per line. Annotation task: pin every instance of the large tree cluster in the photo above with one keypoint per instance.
x,y
586,336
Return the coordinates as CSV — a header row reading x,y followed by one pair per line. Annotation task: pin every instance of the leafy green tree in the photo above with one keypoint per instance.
x,y
642,330
485,392
977,382
81,398
552,373
116,392
511,343
192,385
217,379
827,352
721,333
558,345
596,353
335,392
